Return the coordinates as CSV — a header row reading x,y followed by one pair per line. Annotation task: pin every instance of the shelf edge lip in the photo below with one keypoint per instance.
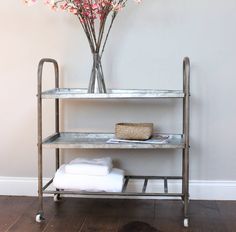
x,y
51,137
88,147
112,94
125,194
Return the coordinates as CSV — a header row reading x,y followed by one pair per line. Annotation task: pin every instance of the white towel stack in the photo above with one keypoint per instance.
x,y
90,167
93,175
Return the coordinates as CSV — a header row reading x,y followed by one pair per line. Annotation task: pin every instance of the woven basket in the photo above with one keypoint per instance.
x,y
134,131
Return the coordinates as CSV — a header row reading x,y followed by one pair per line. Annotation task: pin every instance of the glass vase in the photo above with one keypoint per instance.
x,y
97,83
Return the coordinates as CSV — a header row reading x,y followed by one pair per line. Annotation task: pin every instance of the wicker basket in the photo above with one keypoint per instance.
x,y
134,131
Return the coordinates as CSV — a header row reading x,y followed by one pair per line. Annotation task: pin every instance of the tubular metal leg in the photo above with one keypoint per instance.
x,y
186,182
186,117
57,127
57,158
39,216
57,119
57,197
40,182
40,151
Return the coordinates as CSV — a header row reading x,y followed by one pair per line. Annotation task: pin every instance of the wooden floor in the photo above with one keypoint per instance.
x,y
107,215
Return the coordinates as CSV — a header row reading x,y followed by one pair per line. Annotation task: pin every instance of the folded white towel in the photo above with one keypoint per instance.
x,y
112,182
81,166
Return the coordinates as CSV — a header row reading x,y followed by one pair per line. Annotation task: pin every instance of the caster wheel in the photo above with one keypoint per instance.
x,y
39,218
56,197
186,222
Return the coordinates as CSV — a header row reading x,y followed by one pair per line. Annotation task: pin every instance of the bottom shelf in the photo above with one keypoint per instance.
x,y
124,191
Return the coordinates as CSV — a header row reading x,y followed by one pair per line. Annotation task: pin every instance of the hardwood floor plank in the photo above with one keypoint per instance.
x,y
171,224
204,216
208,224
11,210
100,224
195,225
137,208
17,214
65,223
204,209
228,214
26,222
106,207
230,224
174,208
81,206
70,215
168,209
227,209
123,207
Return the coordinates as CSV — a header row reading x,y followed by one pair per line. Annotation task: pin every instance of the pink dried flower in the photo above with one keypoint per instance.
x,y
89,11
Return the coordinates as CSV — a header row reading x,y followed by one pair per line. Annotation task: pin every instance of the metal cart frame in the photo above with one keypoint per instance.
x,y
65,140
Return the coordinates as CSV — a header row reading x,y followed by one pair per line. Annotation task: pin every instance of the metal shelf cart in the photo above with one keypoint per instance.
x,y
66,140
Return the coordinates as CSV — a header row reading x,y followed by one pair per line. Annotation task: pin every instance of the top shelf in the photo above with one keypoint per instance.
x,y
78,93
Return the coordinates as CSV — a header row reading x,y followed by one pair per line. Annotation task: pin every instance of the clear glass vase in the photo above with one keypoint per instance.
x,y
97,83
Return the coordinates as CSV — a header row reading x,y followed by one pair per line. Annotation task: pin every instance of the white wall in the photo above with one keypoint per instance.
x,y
145,50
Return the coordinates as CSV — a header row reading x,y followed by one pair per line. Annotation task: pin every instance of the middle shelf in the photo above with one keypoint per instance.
x,y
99,141
78,93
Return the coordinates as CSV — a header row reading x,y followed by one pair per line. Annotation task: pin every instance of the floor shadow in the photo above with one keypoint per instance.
x,y
137,226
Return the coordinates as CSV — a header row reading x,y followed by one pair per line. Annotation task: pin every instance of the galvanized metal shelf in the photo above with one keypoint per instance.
x,y
63,140
76,93
99,141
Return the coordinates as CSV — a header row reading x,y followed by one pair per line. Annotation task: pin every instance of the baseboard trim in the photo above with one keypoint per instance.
x,y
199,189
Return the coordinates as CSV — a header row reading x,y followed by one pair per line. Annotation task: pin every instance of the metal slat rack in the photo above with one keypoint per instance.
x,y
66,140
